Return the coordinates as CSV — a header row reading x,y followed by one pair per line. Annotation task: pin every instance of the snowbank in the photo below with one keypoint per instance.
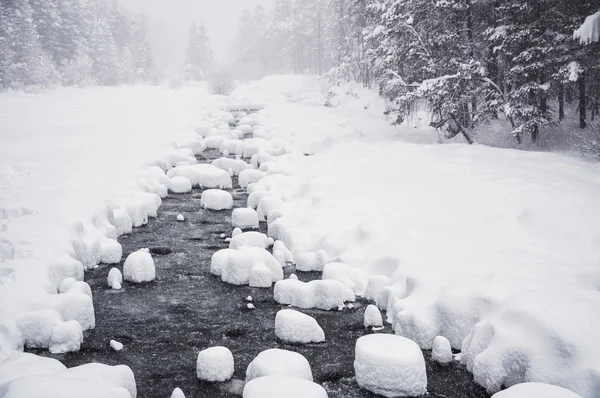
x,y
279,362
235,266
216,199
277,386
321,294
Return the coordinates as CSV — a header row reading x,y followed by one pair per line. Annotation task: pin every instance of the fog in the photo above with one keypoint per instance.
x,y
170,19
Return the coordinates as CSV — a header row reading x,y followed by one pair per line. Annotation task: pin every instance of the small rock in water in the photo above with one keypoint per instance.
x,y
177,393
294,276
115,279
180,218
115,345
350,306
441,350
250,306
223,236
249,298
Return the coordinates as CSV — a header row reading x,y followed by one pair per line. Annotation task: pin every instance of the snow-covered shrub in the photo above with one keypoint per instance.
x,y
221,83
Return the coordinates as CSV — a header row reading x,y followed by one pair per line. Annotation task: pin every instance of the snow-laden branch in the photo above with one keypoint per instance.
x,y
590,30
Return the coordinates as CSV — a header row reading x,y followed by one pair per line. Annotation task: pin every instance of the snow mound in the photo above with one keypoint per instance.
x,y
115,279
215,364
177,393
238,166
278,386
21,364
375,284
292,326
75,306
441,350
349,276
235,266
36,327
110,377
66,337
116,345
57,387
244,218
180,184
321,294
216,199
310,261
250,176
230,146
530,390
203,175
260,276
276,361
372,317
390,365
215,141
139,267
250,239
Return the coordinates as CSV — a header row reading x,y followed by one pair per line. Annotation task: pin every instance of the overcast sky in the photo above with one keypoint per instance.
x,y
171,19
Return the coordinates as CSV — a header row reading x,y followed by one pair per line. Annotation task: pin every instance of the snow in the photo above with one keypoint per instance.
x,y
179,184
244,218
215,364
589,32
349,276
203,175
177,393
139,267
250,176
110,377
115,345
79,287
441,351
321,294
250,239
276,361
216,199
238,166
57,387
250,306
292,326
180,218
375,285
276,386
526,390
372,317
20,364
66,337
115,279
36,327
390,365
260,276
310,261
235,266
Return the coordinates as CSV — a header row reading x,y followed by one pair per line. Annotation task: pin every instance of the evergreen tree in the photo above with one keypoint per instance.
x,y
198,54
105,69
144,65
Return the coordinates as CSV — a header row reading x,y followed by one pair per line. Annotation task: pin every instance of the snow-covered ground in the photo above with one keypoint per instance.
x,y
497,250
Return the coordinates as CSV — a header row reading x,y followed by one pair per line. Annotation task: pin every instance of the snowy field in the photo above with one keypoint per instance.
x,y
497,250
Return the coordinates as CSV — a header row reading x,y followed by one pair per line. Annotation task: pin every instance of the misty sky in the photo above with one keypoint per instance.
x,y
171,18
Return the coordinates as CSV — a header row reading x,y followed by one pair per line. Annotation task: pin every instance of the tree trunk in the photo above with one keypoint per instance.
x,y
561,102
582,102
462,131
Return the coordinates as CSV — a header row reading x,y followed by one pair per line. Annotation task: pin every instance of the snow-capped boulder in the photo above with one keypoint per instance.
x,y
66,284
177,393
122,222
220,259
245,218
116,345
324,295
250,239
75,306
530,390
80,287
215,141
245,128
372,317
279,362
238,266
390,365
180,184
20,364
293,326
260,276
111,251
277,386
139,267
349,276
115,279
203,175
215,364
216,199
310,261
235,165
375,284
50,386
110,377
36,327
230,146
249,176
66,337
441,350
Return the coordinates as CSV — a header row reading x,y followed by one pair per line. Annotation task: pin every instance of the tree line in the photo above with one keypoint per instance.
x,y
470,61
72,42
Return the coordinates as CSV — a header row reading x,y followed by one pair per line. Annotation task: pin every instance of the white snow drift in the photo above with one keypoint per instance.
x,y
216,199
139,267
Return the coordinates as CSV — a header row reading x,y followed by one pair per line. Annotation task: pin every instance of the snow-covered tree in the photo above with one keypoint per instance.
x,y
199,57
105,67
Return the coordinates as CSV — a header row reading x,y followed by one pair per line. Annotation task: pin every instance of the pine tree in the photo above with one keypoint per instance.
x,y
198,54
144,65
105,69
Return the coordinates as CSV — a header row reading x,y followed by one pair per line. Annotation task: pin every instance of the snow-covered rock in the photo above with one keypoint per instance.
x,y
250,239
80,287
177,393
36,327
249,176
245,218
292,326
390,365
279,362
180,184
21,364
349,276
236,266
260,276
441,350
139,267
215,364
116,345
66,284
115,279
278,386
66,337
531,390
310,261
112,251
216,199
203,175
110,377
58,387
236,165
375,284
324,295
180,218
372,317
215,141
75,306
